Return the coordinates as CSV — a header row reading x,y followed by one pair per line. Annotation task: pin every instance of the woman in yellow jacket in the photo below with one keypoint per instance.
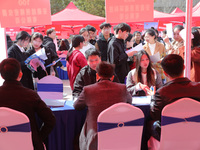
x,y
152,47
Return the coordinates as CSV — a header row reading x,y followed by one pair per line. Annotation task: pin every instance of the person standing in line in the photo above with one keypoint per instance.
x,y
75,59
17,51
104,38
116,51
86,44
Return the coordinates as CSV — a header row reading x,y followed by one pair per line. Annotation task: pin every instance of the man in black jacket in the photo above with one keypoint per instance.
x,y
116,51
87,74
27,101
177,87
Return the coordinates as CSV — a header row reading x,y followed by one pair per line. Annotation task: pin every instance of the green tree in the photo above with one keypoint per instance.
x,y
95,7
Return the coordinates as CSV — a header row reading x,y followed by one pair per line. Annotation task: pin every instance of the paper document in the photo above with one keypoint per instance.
x,y
33,61
140,100
53,63
137,48
41,53
55,102
155,58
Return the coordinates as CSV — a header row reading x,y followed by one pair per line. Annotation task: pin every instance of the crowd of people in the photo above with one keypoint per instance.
x,y
104,70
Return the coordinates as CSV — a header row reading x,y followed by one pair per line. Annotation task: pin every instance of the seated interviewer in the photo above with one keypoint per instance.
x,y
87,74
15,96
177,87
96,98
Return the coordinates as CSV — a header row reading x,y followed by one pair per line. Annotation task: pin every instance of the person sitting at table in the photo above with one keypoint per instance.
x,y
87,74
27,101
98,97
140,79
36,45
177,87
75,59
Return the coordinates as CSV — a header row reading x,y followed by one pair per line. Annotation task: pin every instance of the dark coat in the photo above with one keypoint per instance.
x,y
102,46
118,56
98,97
85,77
17,97
14,52
172,91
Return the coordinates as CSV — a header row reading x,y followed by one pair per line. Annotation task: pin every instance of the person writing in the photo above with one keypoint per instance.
x,y
140,79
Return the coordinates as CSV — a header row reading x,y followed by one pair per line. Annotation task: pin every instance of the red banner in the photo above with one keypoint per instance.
x,y
118,11
15,13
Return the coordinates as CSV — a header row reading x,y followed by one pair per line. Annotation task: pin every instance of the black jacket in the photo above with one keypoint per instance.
x,y
15,52
103,46
85,77
118,56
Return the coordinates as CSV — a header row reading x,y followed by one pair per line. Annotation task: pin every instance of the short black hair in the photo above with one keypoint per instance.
x,y
123,27
134,33
104,24
9,69
105,69
130,36
173,65
92,52
49,31
22,35
90,28
76,40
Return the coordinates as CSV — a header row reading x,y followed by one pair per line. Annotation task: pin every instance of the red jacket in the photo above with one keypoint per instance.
x,y
75,62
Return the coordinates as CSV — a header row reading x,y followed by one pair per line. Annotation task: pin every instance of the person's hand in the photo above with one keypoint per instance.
x,y
144,87
166,39
152,91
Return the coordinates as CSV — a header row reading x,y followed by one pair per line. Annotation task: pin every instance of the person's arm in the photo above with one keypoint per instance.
x,y
80,104
131,86
156,106
78,85
46,115
158,80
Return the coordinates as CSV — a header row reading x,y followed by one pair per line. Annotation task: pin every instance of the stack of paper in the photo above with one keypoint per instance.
x,y
140,100
55,102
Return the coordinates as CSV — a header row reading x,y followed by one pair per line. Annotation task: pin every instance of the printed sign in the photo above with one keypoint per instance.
x,y
118,11
15,13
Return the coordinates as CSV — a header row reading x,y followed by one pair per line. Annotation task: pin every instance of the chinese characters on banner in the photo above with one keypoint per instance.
x,y
15,13
129,10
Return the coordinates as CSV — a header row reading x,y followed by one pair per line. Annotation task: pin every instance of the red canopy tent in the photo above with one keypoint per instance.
x,y
160,16
178,11
71,15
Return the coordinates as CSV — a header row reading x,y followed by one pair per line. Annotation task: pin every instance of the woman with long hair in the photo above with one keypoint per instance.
x,y
86,44
152,47
36,45
75,59
140,79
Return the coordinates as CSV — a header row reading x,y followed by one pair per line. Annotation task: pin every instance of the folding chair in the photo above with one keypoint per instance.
x,y
15,130
180,125
120,127
50,87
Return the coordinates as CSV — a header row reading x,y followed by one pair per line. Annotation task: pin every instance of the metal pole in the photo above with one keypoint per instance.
x,y
188,37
